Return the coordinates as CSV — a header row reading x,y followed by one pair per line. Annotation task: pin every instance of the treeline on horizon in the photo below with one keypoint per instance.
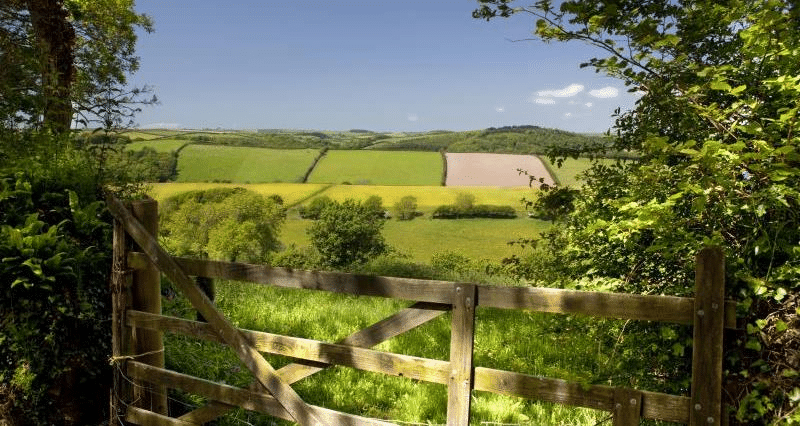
x,y
523,139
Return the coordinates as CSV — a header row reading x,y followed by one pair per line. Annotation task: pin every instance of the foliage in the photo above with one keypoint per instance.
x,y
54,304
347,233
406,208
553,203
222,223
68,56
716,131
314,208
465,207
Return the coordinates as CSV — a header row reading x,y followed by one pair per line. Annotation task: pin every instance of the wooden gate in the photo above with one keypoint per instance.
x,y
138,348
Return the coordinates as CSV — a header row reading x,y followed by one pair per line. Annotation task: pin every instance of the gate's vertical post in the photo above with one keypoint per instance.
x,y
146,296
120,338
709,322
627,407
462,338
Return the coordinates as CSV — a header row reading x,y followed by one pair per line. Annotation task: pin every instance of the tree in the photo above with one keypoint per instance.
x,y
406,208
62,57
716,131
223,223
347,233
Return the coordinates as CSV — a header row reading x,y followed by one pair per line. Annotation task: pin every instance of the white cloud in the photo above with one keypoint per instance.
x,y
568,115
413,117
588,104
544,101
571,90
605,92
500,109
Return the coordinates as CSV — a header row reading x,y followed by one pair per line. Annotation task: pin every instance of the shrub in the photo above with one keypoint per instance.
x,y
314,208
54,310
406,208
486,211
347,233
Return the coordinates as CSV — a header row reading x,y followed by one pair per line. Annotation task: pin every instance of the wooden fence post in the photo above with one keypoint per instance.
x,y
627,407
462,338
120,337
709,321
148,345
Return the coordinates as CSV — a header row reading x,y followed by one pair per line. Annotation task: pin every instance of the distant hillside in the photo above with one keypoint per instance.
x,y
523,139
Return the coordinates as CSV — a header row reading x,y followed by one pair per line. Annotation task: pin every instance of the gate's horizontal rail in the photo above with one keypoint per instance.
x,y
608,305
655,405
429,370
239,397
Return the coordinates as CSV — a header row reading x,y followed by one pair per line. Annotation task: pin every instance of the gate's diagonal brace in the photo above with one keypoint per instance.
x,y
256,363
395,325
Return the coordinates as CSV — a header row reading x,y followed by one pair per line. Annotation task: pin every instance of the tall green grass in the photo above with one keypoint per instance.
x,y
511,340
206,163
379,168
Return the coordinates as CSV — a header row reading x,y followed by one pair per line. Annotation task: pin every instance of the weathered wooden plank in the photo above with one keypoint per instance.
x,y
120,338
412,367
601,304
399,323
655,405
148,345
627,407
462,339
140,416
611,305
247,399
260,368
405,320
707,343
212,411
336,282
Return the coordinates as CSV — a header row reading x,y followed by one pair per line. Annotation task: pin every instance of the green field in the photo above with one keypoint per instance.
x,y
207,163
379,168
160,145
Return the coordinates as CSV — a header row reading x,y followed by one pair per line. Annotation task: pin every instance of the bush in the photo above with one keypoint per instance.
x,y
347,233
54,302
314,208
406,208
486,211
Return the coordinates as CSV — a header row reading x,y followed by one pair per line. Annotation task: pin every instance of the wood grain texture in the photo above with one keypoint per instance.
x,y
462,340
558,301
627,407
707,344
247,399
257,365
429,370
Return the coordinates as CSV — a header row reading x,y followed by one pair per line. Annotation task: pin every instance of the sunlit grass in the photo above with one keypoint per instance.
x,y
201,163
379,168
510,340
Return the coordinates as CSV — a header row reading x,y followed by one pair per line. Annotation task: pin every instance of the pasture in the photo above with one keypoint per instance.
x,y
160,145
207,163
379,168
521,341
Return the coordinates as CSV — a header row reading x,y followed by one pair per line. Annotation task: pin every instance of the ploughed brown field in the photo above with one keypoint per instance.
x,y
479,169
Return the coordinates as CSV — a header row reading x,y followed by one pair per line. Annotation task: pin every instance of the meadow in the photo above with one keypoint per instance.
x,y
206,163
379,168
512,340
519,341
160,145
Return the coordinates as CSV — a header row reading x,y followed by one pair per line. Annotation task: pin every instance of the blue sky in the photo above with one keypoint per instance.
x,y
409,65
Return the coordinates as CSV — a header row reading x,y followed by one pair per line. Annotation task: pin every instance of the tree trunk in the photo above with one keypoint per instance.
x,y
56,37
